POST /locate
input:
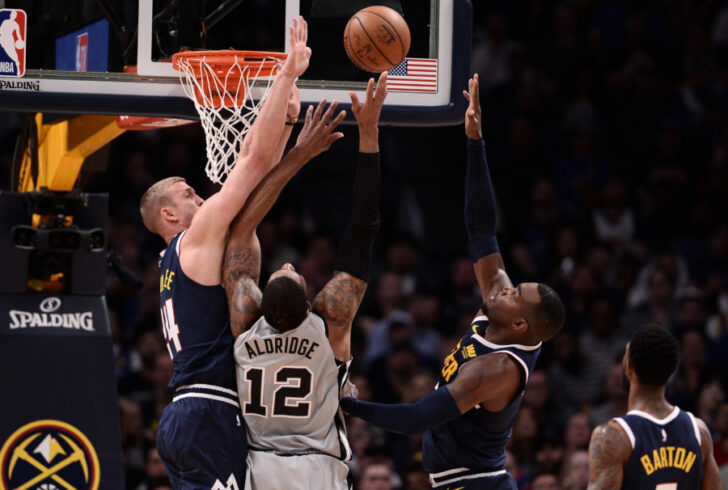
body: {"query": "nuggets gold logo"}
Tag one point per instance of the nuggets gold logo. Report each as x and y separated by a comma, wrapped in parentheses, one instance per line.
(48, 454)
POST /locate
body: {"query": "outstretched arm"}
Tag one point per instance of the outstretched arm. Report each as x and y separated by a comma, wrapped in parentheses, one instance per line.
(241, 267)
(486, 378)
(339, 300)
(609, 450)
(203, 244)
(480, 209)
(292, 111)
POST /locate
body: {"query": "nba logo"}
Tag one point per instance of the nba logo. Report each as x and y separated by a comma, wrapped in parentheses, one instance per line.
(12, 42)
(82, 52)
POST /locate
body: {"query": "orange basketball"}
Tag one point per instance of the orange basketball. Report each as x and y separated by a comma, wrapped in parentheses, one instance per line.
(376, 38)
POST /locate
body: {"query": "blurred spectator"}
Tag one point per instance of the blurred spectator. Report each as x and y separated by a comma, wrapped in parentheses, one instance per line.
(614, 221)
(658, 304)
(524, 438)
(376, 474)
(401, 259)
(417, 478)
(155, 474)
(615, 397)
(549, 456)
(720, 435)
(134, 440)
(546, 481)
(711, 396)
(421, 384)
(390, 373)
(537, 396)
(424, 309)
(576, 380)
(684, 386)
(603, 341)
(491, 57)
(577, 433)
(318, 264)
(140, 386)
(513, 466)
(575, 475)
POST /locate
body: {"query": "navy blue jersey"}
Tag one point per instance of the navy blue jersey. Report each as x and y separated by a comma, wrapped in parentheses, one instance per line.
(666, 453)
(474, 443)
(196, 325)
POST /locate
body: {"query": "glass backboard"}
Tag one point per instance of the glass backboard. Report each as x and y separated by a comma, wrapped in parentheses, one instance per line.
(112, 56)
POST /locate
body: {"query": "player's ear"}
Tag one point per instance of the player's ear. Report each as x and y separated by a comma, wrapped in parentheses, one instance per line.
(308, 303)
(520, 325)
(168, 214)
(628, 369)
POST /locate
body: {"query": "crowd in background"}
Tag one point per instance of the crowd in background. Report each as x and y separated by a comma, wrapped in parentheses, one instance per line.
(606, 130)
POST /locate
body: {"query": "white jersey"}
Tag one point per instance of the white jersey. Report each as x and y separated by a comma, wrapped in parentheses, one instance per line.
(289, 386)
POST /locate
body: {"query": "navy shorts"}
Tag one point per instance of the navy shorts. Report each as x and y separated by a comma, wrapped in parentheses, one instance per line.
(202, 443)
(503, 481)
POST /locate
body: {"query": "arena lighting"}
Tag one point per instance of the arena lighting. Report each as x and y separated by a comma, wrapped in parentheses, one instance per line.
(58, 240)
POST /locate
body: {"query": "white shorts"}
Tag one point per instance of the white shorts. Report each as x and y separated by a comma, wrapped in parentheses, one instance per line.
(269, 471)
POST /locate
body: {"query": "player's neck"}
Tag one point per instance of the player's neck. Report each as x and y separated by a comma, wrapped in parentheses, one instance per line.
(650, 400)
(502, 336)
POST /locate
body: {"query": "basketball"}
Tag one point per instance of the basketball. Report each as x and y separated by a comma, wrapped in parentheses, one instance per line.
(376, 38)
(19, 44)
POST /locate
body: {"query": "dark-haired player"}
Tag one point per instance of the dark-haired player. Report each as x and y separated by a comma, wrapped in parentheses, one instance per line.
(656, 445)
(292, 361)
(468, 419)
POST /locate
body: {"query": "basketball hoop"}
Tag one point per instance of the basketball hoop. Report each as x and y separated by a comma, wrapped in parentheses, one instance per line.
(218, 82)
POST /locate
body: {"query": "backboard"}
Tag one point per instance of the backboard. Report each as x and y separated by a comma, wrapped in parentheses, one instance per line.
(112, 56)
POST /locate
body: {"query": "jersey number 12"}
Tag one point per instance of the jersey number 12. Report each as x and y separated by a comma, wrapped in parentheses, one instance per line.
(293, 387)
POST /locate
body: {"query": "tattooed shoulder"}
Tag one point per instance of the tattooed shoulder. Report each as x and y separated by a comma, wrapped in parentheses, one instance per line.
(340, 298)
(609, 450)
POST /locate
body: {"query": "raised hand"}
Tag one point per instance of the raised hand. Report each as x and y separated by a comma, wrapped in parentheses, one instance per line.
(473, 119)
(367, 114)
(317, 134)
(299, 54)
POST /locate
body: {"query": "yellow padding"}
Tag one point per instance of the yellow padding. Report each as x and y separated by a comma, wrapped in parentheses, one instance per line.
(63, 147)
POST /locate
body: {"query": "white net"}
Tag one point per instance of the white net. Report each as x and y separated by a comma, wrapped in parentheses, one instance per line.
(226, 106)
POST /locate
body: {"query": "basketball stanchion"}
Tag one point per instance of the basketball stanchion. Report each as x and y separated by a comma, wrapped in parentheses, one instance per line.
(218, 82)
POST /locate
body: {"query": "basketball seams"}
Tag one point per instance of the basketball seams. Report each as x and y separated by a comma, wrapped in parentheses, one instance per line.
(372, 41)
(394, 29)
(349, 48)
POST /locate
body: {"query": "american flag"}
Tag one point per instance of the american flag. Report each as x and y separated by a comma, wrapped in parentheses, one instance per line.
(414, 75)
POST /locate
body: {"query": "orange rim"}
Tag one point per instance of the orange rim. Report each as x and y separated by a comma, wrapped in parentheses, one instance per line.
(260, 64)
(221, 61)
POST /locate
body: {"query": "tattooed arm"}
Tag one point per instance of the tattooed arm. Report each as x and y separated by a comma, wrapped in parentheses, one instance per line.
(241, 265)
(337, 303)
(711, 474)
(241, 270)
(609, 450)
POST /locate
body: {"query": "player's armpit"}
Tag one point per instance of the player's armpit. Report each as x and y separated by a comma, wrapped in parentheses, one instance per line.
(241, 270)
(711, 474)
(337, 303)
(493, 378)
(609, 450)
